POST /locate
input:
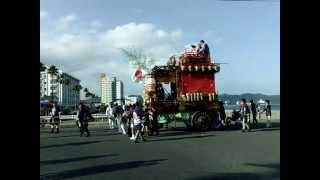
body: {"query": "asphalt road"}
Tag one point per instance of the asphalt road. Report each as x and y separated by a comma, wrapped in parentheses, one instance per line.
(175, 154)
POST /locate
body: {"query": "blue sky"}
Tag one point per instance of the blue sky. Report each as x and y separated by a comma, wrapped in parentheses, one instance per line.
(81, 37)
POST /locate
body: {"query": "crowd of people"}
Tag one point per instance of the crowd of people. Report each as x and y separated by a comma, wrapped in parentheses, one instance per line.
(137, 121)
(248, 114)
(200, 48)
(132, 120)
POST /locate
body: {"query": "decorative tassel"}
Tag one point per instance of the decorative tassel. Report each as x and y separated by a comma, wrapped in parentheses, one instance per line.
(201, 97)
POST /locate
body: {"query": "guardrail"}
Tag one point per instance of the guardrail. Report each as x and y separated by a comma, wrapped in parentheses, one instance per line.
(97, 117)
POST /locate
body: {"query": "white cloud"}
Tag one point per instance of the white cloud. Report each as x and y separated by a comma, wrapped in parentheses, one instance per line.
(96, 24)
(64, 22)
(89, 52)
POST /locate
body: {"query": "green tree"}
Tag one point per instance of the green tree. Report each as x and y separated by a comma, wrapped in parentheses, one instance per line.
(85, 90)
(53, 71)
(42, 68)
(77, 88)
(67, 82)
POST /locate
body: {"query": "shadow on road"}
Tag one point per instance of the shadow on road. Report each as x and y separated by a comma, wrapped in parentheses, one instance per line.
(262, 127)
(100, 169)
(70, 144)
(61, 136)
(92, 135)
(259, 127)
(270, 165)
(59, 161)
(269, 175)
(166, 134)
(180, 138)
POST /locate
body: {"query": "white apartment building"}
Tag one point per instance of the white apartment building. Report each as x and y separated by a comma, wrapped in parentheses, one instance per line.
(62, 93)
(106, 89)
(119, 91)
(111, 89)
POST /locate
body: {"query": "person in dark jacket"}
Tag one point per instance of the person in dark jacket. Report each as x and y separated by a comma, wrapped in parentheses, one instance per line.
(118, 111)
(268, 113)
(204, 48)
(222, 113)
(254, 113)
(244, 111)
(160, 92)
(138, 115)
(55, 118)
(84, 116)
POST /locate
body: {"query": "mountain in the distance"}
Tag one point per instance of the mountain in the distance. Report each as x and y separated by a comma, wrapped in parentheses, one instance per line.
(275, 99)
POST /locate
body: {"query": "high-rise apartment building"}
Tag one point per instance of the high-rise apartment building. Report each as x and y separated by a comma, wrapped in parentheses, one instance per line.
(111, 89)
(106, 89)
(63, 93)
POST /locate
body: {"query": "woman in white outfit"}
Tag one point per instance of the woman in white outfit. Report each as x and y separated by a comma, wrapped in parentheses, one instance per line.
(110, 117)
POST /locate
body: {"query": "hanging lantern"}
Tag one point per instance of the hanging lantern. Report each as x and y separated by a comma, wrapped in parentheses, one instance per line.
(213, 96)
(201, 97)
(202, 68)
(215, 68)
(183, 97)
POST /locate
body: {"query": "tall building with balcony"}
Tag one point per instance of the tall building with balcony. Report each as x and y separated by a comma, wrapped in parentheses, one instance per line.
(111, 89)
(106, 89)
(119, 91)
(63, 93)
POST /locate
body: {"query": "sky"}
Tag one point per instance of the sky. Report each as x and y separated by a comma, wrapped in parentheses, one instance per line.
(83, 37)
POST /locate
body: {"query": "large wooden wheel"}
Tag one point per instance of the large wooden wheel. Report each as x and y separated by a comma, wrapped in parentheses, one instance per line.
(201, 121)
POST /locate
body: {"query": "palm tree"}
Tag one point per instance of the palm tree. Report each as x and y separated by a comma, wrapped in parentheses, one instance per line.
(42, 68)
(77, 88)
(60, 79)
(88, 93)
(67, 82)
(53, 71)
